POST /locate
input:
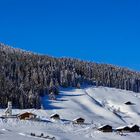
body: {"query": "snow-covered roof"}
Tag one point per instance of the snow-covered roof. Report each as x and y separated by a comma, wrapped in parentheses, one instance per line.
(80, 118)
(122, 127)
(102, 126)
(129, 126)
(26, 113)
(54, 115)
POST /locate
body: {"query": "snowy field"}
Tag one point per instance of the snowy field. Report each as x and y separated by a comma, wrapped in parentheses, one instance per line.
(98, 106)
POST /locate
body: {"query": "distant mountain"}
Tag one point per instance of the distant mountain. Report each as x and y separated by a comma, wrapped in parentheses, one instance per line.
(25, 76)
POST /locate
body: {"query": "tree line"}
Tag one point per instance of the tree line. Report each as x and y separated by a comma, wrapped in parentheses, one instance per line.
(25, 76)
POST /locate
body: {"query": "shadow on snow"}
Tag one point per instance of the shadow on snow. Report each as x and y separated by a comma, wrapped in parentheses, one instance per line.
(48, 104)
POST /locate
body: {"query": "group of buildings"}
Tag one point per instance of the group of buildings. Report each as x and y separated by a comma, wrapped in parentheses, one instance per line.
(80, 120)
(129, 128)
(31, 116)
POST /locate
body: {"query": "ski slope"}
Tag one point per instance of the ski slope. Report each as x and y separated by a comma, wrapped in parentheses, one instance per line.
(97, 105)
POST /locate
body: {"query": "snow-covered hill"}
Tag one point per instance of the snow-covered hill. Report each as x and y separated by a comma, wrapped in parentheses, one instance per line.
(102, 105)
(98, 106)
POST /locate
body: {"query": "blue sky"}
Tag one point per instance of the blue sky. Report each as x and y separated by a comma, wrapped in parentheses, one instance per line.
(104, 31)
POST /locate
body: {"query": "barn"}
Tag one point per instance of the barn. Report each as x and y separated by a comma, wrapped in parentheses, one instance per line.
(105, 128)
(135, 128)
(27, 116)
(123, 129)
(79, 120)
(129, 103)
(131, 128)
(55, 117)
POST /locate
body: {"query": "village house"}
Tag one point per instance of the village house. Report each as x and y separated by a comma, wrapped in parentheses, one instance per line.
(55, 117)
(135, 128)
(27, 116)
(105, 128)
(132, 128)
(129, 103)
(79, 120)
(123, 129)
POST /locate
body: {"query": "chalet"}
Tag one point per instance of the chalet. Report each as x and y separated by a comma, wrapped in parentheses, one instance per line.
(105, 128)
(129, 103)
(79, 121)
(27, 116)
(123, 129)
(131, 128)
(135, 128)
(55, 117)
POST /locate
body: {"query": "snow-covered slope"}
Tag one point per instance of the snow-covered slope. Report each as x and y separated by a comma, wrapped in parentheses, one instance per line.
(98, 106)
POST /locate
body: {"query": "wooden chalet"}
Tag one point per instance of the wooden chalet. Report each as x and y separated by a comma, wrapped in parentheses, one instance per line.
(135, 128)
(27, 116)
(79, 120)
(105, 128)
(123, 129)
(55, 117)
(131, 128)
(129, 103)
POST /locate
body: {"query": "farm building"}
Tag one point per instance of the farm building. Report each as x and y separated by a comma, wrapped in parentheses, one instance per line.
(79, 120)
(55, 117)
(105, 128)
(135, 128)
(123, 129)
(129, 103)
(132, 128)
(27, 116)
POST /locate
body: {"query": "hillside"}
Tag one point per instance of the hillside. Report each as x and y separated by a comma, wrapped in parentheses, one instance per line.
(98, 106)
(26, 76)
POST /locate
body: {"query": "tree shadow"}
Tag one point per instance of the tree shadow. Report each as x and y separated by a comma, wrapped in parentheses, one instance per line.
(48, 104)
